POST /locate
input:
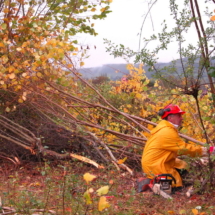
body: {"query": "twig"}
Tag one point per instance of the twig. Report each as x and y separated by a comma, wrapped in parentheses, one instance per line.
(111, 154)
(141, 29)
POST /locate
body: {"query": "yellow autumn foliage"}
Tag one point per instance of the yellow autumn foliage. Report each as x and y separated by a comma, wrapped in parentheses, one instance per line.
(88, 177)
(146, 104)
(103, 203)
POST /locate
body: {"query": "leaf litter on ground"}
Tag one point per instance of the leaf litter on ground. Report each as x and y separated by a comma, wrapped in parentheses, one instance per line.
(108, 191)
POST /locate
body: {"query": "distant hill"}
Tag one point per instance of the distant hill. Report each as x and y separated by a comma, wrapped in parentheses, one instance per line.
(113, 71)
(116, 71)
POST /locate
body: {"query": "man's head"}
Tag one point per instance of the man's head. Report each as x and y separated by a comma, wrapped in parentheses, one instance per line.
(172, 113)
(175, 119)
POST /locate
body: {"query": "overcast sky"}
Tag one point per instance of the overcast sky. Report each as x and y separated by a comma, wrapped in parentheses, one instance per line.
(123, 26)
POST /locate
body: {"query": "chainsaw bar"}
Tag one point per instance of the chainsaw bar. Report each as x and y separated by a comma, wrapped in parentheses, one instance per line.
(157, 190)
(160, 185)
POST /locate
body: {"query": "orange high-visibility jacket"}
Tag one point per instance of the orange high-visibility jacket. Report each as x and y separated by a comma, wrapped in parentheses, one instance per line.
(161, 151)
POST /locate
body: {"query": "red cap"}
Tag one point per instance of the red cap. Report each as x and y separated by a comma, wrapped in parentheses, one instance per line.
(172, 109)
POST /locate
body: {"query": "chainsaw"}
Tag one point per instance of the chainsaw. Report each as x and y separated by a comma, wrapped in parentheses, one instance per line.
(160, 185)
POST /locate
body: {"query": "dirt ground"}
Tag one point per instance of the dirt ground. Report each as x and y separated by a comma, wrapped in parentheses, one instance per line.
(50, 188)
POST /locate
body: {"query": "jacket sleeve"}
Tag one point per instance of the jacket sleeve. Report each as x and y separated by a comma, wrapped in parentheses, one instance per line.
(171, 141)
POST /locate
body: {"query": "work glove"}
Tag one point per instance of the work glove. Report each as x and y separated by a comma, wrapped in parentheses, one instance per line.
(205, 150)
(212, 150)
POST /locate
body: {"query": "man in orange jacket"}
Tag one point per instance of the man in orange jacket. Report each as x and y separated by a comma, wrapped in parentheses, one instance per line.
(164, 145)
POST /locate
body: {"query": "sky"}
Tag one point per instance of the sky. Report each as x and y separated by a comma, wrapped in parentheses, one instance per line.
(123, 25)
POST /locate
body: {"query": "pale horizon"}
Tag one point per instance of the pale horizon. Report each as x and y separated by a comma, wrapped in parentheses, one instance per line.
(123, 25)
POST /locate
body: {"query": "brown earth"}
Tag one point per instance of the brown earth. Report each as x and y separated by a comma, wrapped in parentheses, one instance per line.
(60, 188)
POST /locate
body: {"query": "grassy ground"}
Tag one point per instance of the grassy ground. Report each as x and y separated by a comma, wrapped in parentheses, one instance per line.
(60, 189)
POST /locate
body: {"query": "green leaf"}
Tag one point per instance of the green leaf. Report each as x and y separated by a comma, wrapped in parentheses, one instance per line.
(3, 26)
(35, 25)
(145, 88)
(87, 197)
(182, 211)
(7, 109)
(212, 71)
(43, 173)
(154, 120)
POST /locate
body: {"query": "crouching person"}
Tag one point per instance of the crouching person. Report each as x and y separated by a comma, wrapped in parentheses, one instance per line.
(163, 147)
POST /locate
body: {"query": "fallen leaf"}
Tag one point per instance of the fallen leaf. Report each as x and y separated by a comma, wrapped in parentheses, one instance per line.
(24, 74)
(88, 177)
(195, 211)
(87, 197)
(121, 161)
(19, 49)
(103, 203)
(109, 197)
(39, 74)
(12, 76)
(111, 182)
(68, 209)
(103, 190)
(20, 101)
(182, 211)
(193, 197)
(125, 110)
(7, 109)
